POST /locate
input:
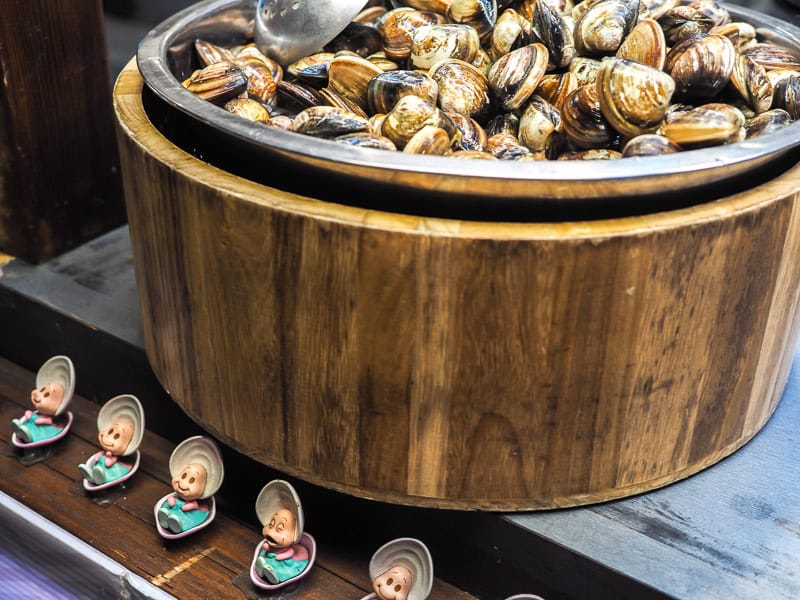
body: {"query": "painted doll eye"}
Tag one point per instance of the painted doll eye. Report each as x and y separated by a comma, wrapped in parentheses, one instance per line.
(389, 581)
(111, 431)
(47, 394)
(397, 587)
(183, 476)
(280, 527)
(191, 480)
(116, 436)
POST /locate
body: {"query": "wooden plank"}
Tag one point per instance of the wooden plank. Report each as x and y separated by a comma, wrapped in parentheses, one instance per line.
(59, 168)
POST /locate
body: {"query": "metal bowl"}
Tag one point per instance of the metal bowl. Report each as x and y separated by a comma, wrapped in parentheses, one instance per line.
(166, 57)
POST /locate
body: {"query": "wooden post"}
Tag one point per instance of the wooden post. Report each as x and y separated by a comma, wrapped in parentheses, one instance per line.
(59, 165)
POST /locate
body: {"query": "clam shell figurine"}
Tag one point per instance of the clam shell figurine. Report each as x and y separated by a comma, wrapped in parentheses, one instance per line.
(120, 424)
(50, 420)
(287, 553)
(196, 471)
(402, 568)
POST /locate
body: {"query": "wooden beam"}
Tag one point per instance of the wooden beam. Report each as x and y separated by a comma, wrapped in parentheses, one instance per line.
(59, 165)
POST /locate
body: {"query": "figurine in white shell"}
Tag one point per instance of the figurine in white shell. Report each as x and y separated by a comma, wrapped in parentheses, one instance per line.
(50, 420)
(401, 570)
(120, 424)
(286, 553)
(197, 471)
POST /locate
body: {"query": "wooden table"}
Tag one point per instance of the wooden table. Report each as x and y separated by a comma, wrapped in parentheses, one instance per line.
(723, 533)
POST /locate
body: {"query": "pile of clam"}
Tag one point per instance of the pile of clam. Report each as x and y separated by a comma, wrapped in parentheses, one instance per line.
(520, 79)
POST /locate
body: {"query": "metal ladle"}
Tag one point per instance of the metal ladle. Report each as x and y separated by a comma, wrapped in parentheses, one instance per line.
(287, 30)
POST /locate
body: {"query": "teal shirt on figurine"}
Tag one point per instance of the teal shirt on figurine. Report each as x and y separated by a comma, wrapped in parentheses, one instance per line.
(197, 472)
(120, 425)
(49, 420)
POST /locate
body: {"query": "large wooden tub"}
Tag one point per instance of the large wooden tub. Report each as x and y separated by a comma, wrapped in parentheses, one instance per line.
(460, 364)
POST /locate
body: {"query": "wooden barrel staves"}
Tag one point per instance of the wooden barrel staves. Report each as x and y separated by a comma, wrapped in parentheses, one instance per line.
(460, 364)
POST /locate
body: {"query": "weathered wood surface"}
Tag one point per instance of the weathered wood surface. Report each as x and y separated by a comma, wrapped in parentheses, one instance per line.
(59, 165)
(732, 531)
(460, 364)
(201, 566)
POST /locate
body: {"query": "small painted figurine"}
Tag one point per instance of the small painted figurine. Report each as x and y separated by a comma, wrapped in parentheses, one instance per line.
(49, 421)
(120, 424)
(401, 570)
(197, 471)
(286, 552)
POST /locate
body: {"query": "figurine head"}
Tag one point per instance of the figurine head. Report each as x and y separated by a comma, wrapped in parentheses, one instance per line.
(196, 468)
(116, 437)
(47, 398)
(120, 424)
(280, 512)
(394, 584)
(402, 570)
(55, 385)
(190, 483)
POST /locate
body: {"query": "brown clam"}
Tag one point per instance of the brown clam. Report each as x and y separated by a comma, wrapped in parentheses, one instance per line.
(706, 125)
(313, 68)
(683, 22)
(509, 33)
(248, 108)
(218, 82)
(365, 139)
(398, 26)
(554, 32)
(260, 83)
(751, 81)
(701, 66)
(472, 135)
(713, 10)
(645, 44)
(462, 88)
(605, 25)
(428, 140)
(739, 33)
(480, 14)
(767, 122)
(327, 122)
(787, 96)
(515, 76)
(539, 127)
(275, 69)
(500, 143)
(211, 53)
(434, 43)
(649, 144)
(385, 89)
(771, 56)
(583, 121)
(503, 123)
(349, 75)
(633, 97)
(554, 87)
(409, 115)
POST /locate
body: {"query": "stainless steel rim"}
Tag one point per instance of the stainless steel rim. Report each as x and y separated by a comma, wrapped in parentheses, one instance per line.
(545, 180)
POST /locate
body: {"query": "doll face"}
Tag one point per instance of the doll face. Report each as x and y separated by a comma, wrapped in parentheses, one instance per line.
(279, 532)
(116, 437)
(47, 398)
(393, 584)
(190, 483)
